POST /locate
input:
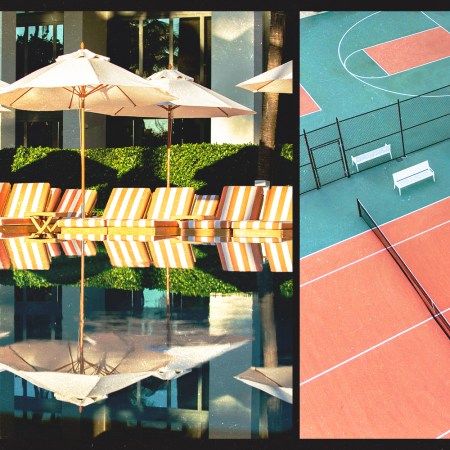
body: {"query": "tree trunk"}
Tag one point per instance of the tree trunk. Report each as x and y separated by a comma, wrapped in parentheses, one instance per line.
(270, 100)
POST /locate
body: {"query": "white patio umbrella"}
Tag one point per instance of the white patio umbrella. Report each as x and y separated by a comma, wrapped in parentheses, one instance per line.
(81, 80)
(192, 101)
(276, 381)
(276, 80)
(4, 84)
(110, 362)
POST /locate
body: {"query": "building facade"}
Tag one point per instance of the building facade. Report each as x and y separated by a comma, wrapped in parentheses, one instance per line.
(218, 49)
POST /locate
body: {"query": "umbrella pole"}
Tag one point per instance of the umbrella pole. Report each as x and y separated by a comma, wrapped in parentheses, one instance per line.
(81, 324)
(82, 144)
(169, 141)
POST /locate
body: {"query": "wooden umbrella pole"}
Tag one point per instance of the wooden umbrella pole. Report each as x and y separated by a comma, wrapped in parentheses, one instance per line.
(169, 141)
(81, 324)
(82, 144)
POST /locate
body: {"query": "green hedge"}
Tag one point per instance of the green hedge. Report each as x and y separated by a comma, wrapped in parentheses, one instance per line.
(206, 167)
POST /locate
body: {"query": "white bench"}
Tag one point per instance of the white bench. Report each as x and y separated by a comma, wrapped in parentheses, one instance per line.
(386, 149)
(412, 175)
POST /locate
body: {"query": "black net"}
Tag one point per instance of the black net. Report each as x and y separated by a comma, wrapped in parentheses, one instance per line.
(429, 303)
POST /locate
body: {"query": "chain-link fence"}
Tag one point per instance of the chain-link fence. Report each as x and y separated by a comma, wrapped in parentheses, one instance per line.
(408, 125)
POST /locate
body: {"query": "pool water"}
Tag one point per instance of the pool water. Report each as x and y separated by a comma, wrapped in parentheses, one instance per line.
(186, 307)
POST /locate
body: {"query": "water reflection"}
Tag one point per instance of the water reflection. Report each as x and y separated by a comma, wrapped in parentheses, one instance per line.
(210, 338)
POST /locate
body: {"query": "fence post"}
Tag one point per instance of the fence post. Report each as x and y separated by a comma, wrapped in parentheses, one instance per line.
(401, 127)
(311, 159)
(342, 149)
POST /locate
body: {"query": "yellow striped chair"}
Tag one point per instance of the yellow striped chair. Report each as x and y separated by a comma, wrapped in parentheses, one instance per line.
(73, 247)
(5, 262)
(275, 219)
(124, 205)
(59, 208)
(26, 254)
(237, 203)
(165, 205)
(128, 253)
(24, 197)
(55, 195)
(171, 253)
(279, 255)
(240, 257)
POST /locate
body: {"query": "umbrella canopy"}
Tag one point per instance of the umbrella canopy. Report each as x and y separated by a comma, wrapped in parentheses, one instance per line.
(277, 80)
(3, 84)
(192, 101)
(110, 363)
(188, 344)
(80, 80)
(276, 381)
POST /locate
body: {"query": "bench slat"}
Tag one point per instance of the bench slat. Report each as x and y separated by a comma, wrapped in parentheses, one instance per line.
(412, 174)
(372, 154)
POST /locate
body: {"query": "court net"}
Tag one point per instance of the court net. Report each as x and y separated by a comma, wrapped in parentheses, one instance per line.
(429, 303)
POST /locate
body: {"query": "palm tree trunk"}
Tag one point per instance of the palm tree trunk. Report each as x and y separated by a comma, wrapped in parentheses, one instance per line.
(270, 100)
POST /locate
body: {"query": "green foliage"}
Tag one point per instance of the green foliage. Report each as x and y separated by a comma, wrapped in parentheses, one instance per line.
(196, 165)
(287, 288)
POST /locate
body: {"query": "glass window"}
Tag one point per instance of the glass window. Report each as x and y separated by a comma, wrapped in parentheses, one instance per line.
(39, 41)
(148, 45)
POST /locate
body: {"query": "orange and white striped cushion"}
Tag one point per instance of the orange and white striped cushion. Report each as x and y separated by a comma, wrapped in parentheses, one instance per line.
(55, 195)
(278, 205)
(54, 249)
(169, 202)
(172, 253)
(240, 257)
(5, 189)
(123, 253)
(205, 205)
(27, 197)
(73, 247)
(279, 256)
(126, 204)
(71, 202)
(26, 254)
(123, 204)
(82, 236)
(236, 203)
(5, 263)
(276, 214)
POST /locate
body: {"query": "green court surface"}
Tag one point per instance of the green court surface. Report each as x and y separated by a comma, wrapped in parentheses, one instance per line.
(345, 82)
(329, 215)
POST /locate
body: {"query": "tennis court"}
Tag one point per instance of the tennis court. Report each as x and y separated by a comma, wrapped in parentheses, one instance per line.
(374, 362)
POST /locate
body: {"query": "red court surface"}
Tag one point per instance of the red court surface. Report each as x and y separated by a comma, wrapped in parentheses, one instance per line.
(307, 104)
(373, 362)
(411, 51)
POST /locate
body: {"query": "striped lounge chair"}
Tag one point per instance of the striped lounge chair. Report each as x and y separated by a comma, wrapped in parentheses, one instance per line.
(275, 219)
(128, 253)
(279, 255)
(69, 206)
(171, 253)
(165, 205)
(124, 205)
(26, 254)
(24, 197)
(240, 257)
(236, 203)
(5, 262)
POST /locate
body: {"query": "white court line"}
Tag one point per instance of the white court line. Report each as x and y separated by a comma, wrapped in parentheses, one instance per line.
(379, 251)
(369, 349)
(363, 232)
(443, 434)
(359, 77)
